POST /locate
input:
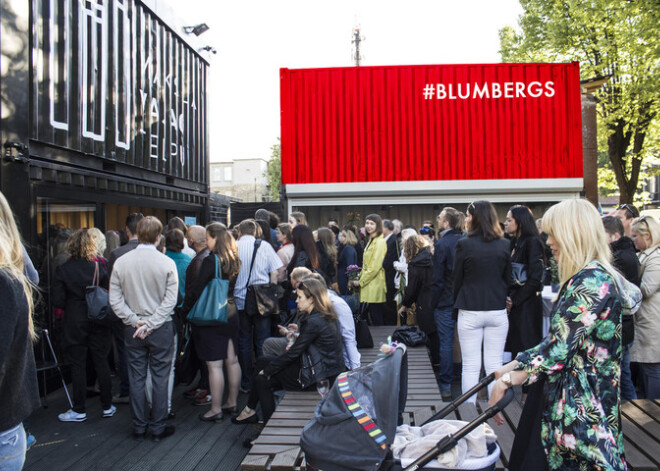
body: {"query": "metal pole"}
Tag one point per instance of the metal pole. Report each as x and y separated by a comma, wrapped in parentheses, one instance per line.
(57, 365)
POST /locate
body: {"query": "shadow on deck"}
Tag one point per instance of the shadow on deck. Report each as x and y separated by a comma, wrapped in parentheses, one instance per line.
(102, 444)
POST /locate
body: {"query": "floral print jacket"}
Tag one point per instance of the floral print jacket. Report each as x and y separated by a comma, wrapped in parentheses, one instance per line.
(580, 359)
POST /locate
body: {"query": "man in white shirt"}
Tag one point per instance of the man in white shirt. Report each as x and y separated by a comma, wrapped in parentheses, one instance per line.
(254, 329)
(143, 293)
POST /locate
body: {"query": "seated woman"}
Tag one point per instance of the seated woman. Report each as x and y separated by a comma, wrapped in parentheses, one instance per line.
(319, 328)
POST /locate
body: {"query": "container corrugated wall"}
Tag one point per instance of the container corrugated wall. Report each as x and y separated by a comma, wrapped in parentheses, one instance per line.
(110, 79)
(435, 122)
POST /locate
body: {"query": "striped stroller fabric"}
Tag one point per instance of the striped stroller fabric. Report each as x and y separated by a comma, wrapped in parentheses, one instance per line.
(358, 412)
(369, 399)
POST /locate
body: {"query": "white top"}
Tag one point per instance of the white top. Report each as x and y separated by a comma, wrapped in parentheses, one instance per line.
(347, 329)
(265, 263)
(187, 250)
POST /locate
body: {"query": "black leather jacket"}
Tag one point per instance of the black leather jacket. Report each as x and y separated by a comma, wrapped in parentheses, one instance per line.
(327, 357)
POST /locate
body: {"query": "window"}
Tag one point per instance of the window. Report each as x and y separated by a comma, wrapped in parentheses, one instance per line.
(228, 175)
(217, 174)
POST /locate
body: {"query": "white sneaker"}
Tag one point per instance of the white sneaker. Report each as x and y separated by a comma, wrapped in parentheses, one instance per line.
(109, 412)
(71, 416)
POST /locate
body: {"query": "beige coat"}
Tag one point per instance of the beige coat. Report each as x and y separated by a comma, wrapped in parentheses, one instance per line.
(646, 347)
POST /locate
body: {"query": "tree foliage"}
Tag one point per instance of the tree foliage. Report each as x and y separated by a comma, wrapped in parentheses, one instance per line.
(274, 172)
(617, 39)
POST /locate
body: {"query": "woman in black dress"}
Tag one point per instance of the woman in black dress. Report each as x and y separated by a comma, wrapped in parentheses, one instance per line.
(217, 345)
(525, 304)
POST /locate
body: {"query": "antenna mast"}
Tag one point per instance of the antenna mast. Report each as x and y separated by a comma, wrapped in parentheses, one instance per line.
(357, 39)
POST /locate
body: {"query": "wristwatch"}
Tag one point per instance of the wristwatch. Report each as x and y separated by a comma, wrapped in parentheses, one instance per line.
(506, 379)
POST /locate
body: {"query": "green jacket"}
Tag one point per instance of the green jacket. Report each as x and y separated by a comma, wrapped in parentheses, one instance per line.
(372, 277)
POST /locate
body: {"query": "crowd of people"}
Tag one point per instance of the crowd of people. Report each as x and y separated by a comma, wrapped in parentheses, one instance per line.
(474, 276)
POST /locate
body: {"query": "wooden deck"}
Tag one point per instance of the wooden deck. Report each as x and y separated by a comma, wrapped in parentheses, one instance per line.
(106, 444)
(277, 448)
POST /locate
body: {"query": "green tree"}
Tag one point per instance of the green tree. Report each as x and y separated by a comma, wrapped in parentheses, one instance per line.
(274, 171)
(617, 39)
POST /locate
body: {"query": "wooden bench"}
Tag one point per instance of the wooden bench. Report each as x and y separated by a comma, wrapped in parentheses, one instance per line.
(277, 448)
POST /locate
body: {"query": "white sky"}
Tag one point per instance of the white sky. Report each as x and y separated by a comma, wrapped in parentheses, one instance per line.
(254, 39)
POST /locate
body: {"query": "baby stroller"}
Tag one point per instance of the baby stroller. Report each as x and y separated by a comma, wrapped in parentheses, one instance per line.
(354, 427)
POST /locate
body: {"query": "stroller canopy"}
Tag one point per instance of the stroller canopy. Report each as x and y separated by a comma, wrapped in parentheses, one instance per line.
(354, 426)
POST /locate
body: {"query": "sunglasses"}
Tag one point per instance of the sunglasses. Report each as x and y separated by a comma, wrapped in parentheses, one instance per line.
(630, 209)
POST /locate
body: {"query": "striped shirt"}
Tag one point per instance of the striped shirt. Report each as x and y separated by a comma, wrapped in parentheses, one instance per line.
(265, 262)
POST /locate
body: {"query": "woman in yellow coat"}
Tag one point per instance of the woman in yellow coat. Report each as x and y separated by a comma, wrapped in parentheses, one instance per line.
(372, 277)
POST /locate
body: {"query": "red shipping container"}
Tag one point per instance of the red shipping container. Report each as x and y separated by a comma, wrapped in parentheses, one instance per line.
(431, 122)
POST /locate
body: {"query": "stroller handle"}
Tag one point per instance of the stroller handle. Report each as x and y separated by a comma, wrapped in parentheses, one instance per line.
(449, 442)
(452, 406)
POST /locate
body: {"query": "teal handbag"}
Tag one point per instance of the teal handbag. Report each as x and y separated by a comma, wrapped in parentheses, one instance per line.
(211, 307)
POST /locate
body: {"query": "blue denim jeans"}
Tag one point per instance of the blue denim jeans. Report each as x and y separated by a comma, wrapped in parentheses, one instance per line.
(12, 449)
(628, 392)
(650, 380)
(444, 323)
(253, 332)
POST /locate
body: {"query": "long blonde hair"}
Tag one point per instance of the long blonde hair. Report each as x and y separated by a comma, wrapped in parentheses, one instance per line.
(576, 226)
(11, 256)
(99, 240)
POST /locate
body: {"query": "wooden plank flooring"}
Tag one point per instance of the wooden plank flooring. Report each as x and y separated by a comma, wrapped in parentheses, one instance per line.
(106, 444)
(277, 447)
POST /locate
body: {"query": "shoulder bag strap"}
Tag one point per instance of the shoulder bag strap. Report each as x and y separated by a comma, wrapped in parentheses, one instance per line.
(218, 271)
(257, 244)
(95, 279)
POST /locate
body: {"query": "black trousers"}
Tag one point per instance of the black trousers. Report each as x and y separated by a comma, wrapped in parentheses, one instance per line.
(389, 312)
(376, 313)
(263, 387)
(97, 340)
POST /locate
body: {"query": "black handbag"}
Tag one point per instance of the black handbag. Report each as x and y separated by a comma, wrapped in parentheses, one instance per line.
(362, 333)
(261, 299)
(98, 309)
(519, 271)
(411, 335)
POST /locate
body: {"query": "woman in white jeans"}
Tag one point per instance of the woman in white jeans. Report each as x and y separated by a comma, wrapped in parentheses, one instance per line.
(482, 275)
